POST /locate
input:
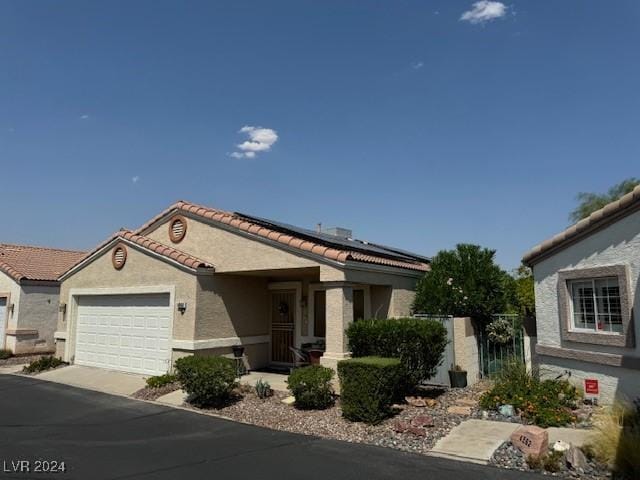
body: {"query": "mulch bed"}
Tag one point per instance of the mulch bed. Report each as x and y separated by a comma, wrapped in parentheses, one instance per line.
(148, 393)
(434, 421)
(508, 456)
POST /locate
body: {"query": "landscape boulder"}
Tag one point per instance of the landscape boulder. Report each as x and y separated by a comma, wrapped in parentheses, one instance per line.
(531, 440)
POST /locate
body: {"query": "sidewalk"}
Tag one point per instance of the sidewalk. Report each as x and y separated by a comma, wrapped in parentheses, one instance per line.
(99, 379)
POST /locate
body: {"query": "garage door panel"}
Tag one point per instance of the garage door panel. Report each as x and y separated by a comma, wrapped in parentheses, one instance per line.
(125, 332)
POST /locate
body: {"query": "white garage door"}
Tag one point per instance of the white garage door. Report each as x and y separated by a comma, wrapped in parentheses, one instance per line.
(124, 332)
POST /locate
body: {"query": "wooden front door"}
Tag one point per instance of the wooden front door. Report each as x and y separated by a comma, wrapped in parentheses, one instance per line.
(283, 314)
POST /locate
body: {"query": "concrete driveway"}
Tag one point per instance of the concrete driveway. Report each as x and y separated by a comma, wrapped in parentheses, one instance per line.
(102, 436)
(99, 379)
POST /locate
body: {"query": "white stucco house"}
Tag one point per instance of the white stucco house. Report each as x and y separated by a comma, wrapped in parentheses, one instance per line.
(587, 290)
(29, 296)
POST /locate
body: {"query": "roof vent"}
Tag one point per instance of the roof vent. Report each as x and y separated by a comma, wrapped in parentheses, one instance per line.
(338, 232)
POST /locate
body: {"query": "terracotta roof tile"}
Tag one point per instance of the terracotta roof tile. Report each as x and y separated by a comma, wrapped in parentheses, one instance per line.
(288, 238)
(627, 204)
(22, 262)
(174, 254)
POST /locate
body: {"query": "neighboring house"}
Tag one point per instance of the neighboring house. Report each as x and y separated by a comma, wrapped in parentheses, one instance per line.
(199, 280)
(29, 292)
(587, 290)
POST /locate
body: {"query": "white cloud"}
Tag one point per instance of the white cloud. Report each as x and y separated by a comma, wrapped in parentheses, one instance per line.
(484, 11)
(84, 117)
(259, 140)
(417, 65)
(135, 179)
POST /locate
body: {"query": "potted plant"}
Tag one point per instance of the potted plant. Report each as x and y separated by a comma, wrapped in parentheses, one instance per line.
(457, 377)
(238, 351)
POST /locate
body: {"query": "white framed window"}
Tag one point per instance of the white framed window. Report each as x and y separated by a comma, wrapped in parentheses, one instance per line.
(596, 305)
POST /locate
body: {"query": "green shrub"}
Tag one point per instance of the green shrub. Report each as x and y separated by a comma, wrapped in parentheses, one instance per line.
(208, 380)
(4, 354)
(161, 380)
(546, 403)
(42, 364)
(263, 389)
(418, 343)
(368, 386)
(311, 386)
(551, 461)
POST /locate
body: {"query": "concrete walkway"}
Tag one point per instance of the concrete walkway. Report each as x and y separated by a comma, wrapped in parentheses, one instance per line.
(278, 381)
(9, 369)
(99, 379)
(474, 440)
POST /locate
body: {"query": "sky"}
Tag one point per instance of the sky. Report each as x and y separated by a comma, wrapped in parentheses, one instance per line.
(418, 124)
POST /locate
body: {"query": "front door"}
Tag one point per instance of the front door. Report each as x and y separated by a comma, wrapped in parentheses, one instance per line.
(283, 313)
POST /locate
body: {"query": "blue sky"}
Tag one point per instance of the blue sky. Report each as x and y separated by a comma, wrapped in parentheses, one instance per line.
(398, 119)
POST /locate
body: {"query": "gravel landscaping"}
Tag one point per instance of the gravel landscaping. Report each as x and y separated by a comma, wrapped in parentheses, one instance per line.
(19, 360)
(413, 428)
(508, 456)
(584, 414)
(148, 393)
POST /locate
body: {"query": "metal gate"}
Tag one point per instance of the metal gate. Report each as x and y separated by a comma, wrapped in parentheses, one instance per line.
(442, 374)
(494, 355)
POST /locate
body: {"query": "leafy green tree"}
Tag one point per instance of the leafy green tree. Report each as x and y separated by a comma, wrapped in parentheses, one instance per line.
(465, 281)
(590, 202)
(520, 292)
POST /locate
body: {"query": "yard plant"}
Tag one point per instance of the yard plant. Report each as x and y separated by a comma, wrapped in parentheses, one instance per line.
(418, 343)
(209, 381)
(42, 364)
(160, 381)
(4, 354)
(311, 386)
(368, 386)
(546, 403)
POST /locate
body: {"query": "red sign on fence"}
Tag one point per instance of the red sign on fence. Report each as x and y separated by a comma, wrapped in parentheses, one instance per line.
(591, 386)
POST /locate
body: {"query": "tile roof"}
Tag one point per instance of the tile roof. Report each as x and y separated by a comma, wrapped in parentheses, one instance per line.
(166, 251)
(291, 238)
(24, 262)
(611, 212)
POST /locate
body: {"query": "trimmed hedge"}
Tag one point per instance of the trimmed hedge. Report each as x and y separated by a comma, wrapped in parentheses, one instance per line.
(208, 380)
(368, 386)
(418, 343)
(160, 381)
(311, 386)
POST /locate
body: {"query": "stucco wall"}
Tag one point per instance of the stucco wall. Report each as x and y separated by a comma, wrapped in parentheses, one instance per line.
(465, 348)
(8, 285)
(618, 244)
(38, 309)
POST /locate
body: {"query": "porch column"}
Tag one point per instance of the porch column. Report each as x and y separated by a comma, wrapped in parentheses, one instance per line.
(339, 315)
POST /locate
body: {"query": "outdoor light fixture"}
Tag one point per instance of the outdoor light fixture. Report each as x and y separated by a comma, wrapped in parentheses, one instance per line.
(10, 308)
(182, 307)
(62, 308)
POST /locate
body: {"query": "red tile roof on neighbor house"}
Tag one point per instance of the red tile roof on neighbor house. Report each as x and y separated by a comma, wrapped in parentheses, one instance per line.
(23, 262)
(158, 248)
(599, 219)
(291, 238)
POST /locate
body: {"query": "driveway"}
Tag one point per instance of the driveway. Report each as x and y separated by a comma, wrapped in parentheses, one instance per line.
(102, 436)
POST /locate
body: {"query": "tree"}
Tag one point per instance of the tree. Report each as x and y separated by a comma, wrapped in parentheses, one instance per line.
(463, 282)
(590, 202)
(520, 292)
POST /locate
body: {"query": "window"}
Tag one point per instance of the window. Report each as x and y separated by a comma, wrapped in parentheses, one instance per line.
(358, 304)
(319, 313)
(596, 304)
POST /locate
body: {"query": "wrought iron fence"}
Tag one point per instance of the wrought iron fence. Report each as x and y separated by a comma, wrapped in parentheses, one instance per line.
(493, 354)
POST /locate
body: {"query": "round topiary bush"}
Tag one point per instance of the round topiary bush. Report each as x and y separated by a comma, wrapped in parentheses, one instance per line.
(208, 380)
(311, 386)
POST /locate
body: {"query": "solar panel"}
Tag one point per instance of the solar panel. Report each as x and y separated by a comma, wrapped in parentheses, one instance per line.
(331, 240)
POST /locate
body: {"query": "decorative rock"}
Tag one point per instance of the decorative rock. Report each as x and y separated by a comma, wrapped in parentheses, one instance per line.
(467, 402)
(431, 402)
(418, 432)
(400, 426)
(416, 401)
(422, 421)
(485, 415)
(561, 446)
(531, 440)
(575, 459)
(507, 410)
(289, 400)
(459, 410)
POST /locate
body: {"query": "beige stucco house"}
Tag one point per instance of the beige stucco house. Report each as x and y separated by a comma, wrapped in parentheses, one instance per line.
(29, 292)
(587, 287)
(197, 280)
